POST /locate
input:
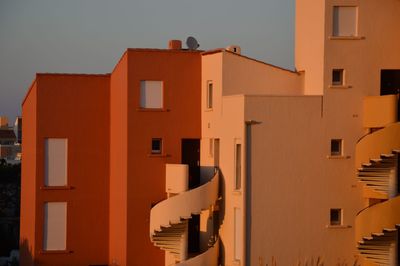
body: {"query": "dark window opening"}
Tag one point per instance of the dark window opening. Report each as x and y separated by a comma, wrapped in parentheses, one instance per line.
(390, 83)
(156, 146)
(337, 77)
(336, 147)
(209, 95)
(336, 217)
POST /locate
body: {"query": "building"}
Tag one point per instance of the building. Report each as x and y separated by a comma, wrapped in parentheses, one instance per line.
(95, 148)
(296, 167)
(18, 129)
(9, 148)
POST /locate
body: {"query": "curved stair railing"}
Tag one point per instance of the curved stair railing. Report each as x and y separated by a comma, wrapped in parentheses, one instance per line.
(169, 221)
(377, 225)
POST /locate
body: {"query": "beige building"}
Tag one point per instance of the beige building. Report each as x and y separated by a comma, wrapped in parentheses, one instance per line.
(292, 168)
(308, 159)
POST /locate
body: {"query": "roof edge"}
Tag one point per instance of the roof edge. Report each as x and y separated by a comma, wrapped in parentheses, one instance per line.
(29, 90)
(222, 50)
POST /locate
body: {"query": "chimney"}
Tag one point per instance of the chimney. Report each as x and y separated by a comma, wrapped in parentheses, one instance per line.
(175, 45)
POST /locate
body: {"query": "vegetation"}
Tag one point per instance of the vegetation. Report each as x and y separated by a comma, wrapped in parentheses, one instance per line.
(10, 187)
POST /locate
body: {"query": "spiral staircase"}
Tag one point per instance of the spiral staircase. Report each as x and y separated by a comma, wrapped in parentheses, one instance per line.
(169, 221)
(377, 225)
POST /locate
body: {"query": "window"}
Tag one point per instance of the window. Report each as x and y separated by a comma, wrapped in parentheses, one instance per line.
(211, 147)
(344, 21)
(238, 237)
(337, 77)
(151, 94)
(55, 226)
(156, 146)
(238, 166)
(209, 94)
(216, 152)
(336, 147)
(336, 217)
(56, 157)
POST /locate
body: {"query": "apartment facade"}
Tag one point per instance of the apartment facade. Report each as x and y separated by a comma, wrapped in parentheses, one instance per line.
(220, 159)
(95, 149)
(10, 147)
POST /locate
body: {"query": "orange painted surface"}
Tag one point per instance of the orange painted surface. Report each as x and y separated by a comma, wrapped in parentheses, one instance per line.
(118, 162)
(28, 180)
(113, 180)
(74, 107)
(181, 73)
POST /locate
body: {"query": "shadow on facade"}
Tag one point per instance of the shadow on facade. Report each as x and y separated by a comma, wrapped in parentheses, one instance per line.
(25, 253)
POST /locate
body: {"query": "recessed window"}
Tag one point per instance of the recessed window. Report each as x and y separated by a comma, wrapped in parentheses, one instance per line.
(151, 94)
(238, 234)
(336, 147)
(337, 77)
(344, 21)
(209, 94)
(336, 217)
(238, 166)
(156, 146)
(211, 147)
(56, 155)
(55, 226)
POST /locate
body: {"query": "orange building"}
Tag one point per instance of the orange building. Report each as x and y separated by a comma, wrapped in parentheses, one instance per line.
(95, 149)
(220, 159)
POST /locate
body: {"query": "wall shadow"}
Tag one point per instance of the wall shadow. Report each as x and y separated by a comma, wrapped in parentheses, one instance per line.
(221, 214)
(25, 253)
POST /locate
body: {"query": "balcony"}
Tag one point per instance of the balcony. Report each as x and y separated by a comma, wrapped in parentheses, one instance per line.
(380, 111)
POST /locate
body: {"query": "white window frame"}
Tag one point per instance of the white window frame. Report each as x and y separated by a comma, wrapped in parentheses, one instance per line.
(151, 86)
(55, 226)
(56, 162)
(336, 27)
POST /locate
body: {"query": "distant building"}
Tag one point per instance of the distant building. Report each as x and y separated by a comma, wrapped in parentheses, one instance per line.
(9, 148)
(220, 159)
(18, 129)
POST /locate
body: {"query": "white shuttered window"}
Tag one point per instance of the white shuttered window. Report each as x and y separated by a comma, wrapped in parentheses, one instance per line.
(151, 94)
(56, 158)
(345, 21)
(55, 226)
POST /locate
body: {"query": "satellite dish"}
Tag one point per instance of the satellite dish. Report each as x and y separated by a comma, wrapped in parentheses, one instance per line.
(192, 43)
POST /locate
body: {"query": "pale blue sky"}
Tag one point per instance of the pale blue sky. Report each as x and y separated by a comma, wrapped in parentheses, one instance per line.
(89, 36)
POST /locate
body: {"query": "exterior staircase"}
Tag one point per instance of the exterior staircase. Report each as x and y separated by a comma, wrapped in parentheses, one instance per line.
(378, 224)
(381, 174)
(380, 247)
(169, 222)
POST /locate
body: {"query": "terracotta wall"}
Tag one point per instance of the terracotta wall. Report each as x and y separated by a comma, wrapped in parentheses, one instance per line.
(75, 107)
(28, 179)
(181, 73)
(118, 162)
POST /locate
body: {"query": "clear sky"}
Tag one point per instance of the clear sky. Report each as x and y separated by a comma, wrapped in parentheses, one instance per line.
(89, 36)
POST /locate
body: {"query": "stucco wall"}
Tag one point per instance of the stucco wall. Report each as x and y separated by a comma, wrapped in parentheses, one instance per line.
(180, 72)
(309, 44)
(118, 162)
(244, 75)
(28, 179)
(87, 191)
(294, 184)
